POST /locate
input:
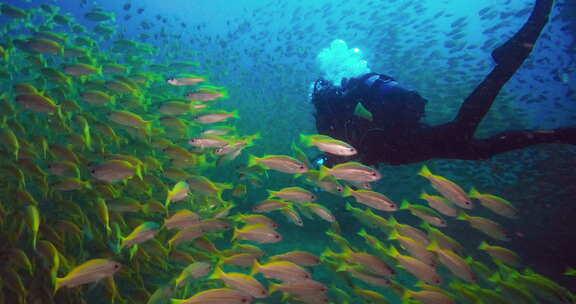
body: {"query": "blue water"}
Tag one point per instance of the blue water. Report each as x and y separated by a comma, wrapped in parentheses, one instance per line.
(264, 52)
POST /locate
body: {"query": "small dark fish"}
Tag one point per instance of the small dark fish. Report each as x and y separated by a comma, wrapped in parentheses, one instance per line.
(47, 8)
(127, 17)
(146, 25)
(183, 24)
(140, 10)
(127, 6)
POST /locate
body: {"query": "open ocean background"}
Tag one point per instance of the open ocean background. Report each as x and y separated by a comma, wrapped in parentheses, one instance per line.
(264, 54)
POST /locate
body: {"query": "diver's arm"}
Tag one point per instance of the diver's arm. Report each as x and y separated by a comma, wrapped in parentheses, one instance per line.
(509, 57)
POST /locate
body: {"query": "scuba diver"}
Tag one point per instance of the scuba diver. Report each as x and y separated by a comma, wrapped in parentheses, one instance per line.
(381, 119)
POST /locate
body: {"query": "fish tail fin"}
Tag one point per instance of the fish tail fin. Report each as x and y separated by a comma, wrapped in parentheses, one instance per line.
(433, 246)
(114, 247)
(117, 247)
(349, 206)
(347, 250)
(146, 209)
(473, 192)
(255, 267)
(237, 217)
(224, 186)
(391, 251)
(406, 295)
(57, 285)
(462, 216)
(34, 241)
(60, 114)
(108, 230)
(393, 235)
(347, 191)
(405, 205)
(323, 172)
(294, 147)
(139, 172)
(273, 288)
(54, 275)
(426, 226)
(342, 267)
(495, 278)
(216, 275)
(234, 234)
(327, 253)
(169, 197)
(271, 194)
(306, 139)
(132, 252)
(285, 297)
(88, 141)
(252, 161)
(483, 245)
(256, 136)
(425, 172)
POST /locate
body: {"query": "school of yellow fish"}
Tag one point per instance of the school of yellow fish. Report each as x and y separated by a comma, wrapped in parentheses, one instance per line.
(107, 189)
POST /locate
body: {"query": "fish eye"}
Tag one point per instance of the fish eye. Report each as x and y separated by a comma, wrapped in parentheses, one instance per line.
(93, 171)
(116, 266)
(277, 236)
(339, 189)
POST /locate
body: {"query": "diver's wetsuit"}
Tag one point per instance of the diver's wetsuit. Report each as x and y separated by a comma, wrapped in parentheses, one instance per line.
(395, 135)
